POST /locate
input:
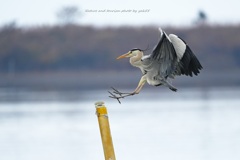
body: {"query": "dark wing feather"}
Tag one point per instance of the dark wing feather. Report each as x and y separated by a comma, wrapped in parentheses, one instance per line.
(163, 58)
(189, 63)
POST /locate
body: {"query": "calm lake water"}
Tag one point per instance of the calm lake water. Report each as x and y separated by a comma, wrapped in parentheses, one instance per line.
(199, 124)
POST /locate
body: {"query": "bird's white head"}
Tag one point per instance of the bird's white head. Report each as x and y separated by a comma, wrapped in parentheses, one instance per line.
(133, 52)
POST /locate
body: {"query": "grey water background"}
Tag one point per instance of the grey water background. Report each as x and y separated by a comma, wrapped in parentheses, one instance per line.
(193, 123)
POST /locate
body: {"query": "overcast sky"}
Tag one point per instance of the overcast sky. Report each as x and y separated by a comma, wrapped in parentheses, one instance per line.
(167, 12)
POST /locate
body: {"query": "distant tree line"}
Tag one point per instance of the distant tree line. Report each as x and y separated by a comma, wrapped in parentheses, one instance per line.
(74, 47)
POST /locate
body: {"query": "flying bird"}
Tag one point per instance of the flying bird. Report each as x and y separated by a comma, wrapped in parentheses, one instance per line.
(170, 57)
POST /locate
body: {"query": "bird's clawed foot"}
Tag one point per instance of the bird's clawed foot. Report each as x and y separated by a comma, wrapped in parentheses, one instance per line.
(173, 89)
(115, 94)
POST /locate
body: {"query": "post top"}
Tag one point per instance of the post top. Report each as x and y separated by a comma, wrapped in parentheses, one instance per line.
(99, 104)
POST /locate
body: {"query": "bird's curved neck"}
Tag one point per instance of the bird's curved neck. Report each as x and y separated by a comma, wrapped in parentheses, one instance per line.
(136, 60)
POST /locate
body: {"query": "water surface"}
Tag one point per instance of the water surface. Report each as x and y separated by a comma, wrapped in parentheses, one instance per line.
(190, 124)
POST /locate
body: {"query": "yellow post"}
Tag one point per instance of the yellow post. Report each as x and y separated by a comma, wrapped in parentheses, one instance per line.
(104, 126)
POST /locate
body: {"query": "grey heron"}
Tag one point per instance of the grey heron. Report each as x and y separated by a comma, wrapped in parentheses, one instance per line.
(171, 57)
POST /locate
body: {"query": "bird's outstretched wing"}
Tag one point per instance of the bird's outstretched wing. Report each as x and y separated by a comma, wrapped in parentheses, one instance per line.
(188, 63)
(163, 58)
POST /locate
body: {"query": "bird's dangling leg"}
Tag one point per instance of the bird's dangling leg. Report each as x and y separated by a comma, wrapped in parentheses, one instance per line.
(141, 83)
(170, 86)
(118, 95)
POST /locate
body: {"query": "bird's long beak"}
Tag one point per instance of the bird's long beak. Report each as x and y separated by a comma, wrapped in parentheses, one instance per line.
(124, 55)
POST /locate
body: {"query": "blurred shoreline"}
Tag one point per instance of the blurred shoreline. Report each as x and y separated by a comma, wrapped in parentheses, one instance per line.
(93, 80)
(75, 57)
